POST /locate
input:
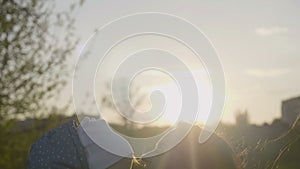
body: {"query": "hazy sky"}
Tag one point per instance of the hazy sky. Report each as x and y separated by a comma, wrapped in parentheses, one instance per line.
(258, 43)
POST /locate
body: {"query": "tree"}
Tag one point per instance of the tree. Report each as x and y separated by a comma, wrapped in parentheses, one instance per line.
(137, 98)
(32, 54)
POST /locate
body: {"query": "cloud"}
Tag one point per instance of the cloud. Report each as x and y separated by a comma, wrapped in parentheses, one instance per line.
(268, 31)
(267, 73)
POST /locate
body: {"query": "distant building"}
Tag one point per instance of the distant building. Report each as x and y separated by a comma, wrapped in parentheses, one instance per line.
(290, 110)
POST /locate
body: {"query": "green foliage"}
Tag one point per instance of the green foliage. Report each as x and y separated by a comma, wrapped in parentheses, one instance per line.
(265, 147)
(35, 42)
(32, 55)
(16, 138)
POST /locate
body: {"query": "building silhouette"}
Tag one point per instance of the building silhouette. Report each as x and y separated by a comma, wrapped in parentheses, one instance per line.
(290, 110)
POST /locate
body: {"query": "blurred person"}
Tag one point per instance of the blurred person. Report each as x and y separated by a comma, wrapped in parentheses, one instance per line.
(68, 146)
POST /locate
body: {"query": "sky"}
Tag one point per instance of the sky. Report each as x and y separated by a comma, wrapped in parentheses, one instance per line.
(257, 42)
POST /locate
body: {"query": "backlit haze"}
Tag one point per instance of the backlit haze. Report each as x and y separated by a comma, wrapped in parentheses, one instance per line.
(257, 41)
